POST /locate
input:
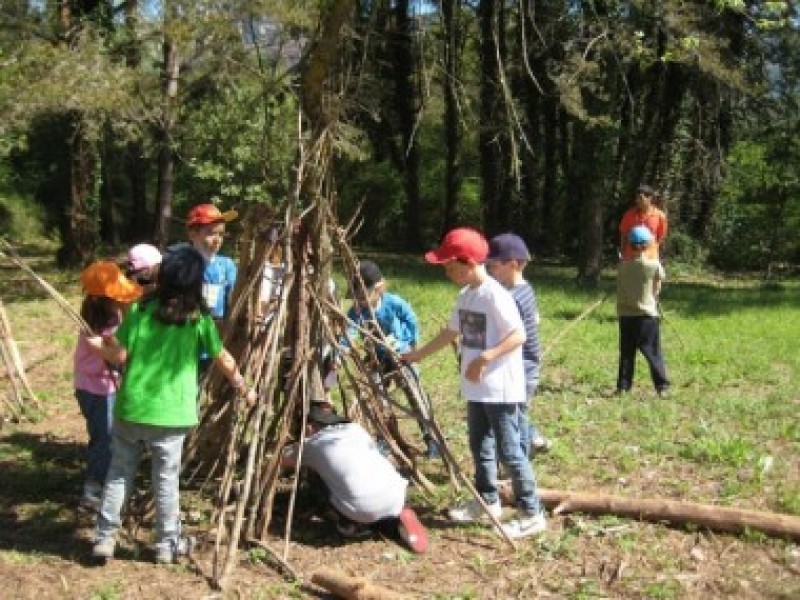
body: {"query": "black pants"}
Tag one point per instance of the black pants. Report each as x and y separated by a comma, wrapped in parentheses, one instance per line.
(640, 333)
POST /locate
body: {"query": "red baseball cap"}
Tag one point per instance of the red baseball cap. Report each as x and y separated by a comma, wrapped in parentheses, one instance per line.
(206, 214)
(461, 243)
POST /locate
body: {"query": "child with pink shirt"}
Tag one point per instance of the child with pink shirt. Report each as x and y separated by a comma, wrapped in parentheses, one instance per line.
(108, 293)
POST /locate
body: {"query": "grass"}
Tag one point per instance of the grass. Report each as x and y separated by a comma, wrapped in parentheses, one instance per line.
(728, 435)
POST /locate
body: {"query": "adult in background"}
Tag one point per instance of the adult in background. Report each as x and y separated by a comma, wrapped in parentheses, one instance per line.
(638, 285)
(646, 214)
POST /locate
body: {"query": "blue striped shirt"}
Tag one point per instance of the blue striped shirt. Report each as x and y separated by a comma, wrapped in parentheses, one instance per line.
(525, 298)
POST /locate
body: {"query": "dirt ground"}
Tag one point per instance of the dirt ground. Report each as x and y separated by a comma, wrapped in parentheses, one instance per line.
(45, 546)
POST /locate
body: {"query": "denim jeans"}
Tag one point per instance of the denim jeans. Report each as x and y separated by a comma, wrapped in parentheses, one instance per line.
(527, 429)
(494, 432)
(166, 447)
(98, 410)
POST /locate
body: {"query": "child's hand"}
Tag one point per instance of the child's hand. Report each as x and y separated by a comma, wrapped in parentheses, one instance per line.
(476, 369)
(409, 357)
(95, 342)
(250, 397)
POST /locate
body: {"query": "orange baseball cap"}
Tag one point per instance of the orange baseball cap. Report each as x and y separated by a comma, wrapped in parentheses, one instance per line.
(461, 243)
(206, 214)
(104, 278)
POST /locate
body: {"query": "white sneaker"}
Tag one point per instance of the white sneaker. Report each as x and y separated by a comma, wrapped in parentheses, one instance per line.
(472, 511)
(525, 524)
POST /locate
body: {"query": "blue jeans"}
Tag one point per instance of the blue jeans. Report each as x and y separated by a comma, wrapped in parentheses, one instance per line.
(494, 432)
(98, 410)
(527, 429)
(166, 448)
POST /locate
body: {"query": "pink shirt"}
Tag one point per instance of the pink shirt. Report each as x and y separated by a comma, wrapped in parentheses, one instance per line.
(92, 373)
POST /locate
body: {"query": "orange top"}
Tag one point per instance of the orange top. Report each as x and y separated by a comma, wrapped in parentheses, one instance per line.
(654, 219)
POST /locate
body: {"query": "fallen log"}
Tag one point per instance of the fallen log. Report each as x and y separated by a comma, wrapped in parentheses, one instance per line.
(352, 588)
(717, 518)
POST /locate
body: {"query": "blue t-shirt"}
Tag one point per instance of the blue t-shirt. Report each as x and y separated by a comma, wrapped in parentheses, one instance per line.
(525, 299)
(394, 316)
(218, 281)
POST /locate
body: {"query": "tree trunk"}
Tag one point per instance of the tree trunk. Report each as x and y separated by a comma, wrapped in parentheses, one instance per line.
(406, 98)
(452, 128)
(490, 147)
(166, 157)
(81, 226)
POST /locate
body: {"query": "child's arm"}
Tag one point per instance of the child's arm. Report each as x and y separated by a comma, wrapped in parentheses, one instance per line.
(227, 365)
(475, 369)
(444, 337)
(109, 348)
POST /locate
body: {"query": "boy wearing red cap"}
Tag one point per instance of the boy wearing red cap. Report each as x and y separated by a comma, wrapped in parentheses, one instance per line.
(491, 331)
(206, 225)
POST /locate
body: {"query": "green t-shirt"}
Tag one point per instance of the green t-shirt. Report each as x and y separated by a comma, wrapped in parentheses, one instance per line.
(160, 382)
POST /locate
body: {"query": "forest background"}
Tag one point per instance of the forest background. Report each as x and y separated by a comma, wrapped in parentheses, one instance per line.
(537, 116)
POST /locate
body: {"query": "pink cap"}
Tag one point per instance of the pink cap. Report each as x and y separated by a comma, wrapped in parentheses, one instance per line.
(461, 243)
(143, 256)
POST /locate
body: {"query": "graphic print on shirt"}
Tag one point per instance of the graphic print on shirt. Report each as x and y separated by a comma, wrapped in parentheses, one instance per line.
(473, 329)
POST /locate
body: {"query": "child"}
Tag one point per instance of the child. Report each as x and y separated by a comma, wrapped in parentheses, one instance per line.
(374, 306)
(206, 228)
(492, 379)
(159, 342)
(142, 266)
(364, 487)
(108, 293)
(638, 285)
(508, 256)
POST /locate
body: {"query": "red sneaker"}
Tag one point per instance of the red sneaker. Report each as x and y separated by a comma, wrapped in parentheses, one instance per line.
(412, 531)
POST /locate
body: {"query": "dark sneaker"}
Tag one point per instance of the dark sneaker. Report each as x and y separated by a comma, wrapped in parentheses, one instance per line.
(104, 549)
(411, 531)
(352, 530)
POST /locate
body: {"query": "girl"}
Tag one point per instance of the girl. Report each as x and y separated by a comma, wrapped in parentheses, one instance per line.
(159, 341)
(108, 293)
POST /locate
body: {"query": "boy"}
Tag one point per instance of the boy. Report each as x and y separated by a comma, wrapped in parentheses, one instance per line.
(206, 229)
(364, 487)
(508, 256)
(492, 379)
(638, 285)
(643, 213)
(373, 306)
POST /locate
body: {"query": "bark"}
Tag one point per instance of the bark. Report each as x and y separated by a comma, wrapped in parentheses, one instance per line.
(406, 100)
(166, 157)
(491, 168)
(658, 510)
(452, 127)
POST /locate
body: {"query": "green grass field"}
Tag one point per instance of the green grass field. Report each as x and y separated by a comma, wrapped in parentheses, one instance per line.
(728, 435)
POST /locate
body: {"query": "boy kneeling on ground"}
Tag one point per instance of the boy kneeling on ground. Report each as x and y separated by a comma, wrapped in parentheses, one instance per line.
(365, 488)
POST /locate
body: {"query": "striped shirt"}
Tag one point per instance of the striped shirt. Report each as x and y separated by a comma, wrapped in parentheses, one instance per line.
(525, 298)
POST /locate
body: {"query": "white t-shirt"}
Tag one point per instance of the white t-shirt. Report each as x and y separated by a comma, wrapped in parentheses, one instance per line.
(484, 316)
(364, 485)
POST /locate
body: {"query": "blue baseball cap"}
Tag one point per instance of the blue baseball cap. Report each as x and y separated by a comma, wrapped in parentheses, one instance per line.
(508, 246)
(640, 236)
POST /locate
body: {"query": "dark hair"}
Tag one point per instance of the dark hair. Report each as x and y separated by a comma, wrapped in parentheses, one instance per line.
(646, 190)
(99, 312)
(180, 289)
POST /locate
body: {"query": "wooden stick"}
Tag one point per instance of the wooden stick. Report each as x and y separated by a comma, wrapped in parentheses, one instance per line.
(60, 300)
(16, 359)
(352, 588)
(574, 322)
(717, 518)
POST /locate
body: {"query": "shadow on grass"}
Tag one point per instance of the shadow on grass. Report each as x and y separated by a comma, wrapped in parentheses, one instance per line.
(39, 480)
